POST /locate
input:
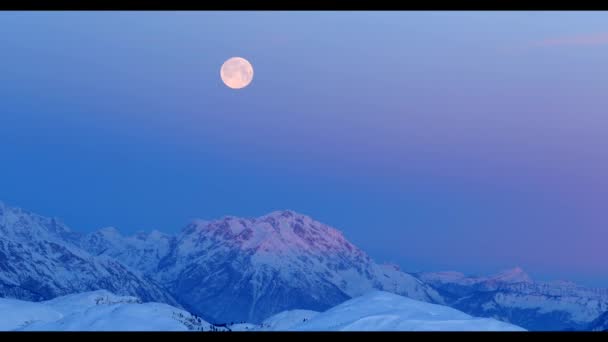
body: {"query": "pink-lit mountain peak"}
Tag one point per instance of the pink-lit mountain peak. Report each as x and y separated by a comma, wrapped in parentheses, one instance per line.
(514, 275)
(277, 231)
(283, 254)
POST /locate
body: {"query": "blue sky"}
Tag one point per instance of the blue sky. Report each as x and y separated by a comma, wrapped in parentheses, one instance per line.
(437, 140)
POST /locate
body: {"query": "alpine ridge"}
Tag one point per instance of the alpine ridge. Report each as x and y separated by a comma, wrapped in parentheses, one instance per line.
(512, 296)
(247, 269)
(40, 259)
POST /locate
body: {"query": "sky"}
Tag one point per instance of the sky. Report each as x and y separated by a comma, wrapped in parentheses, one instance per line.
(469, 141)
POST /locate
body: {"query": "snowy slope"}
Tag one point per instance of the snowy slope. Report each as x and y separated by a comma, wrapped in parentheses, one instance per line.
(512, 296)
(40, 259)
(384, 311)
(143, 251)
(17, 313)
(95, 311)
(244, 327)
(277, 262)
(286, 320)
(600, 323)
(104, 311)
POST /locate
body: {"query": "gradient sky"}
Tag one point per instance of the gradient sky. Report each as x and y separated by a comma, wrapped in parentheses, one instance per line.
(470, 141)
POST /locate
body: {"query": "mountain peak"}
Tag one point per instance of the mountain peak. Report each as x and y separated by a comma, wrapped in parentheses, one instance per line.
(285, 213)
(30, 225)
(514, 275)
(109, 231)
(48, 260)
(282, 260)
(237, 224)
(278, 231)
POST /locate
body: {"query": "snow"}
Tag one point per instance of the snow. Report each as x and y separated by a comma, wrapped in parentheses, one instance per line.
(77, 302)
(45, 259)
(396, 323)
(395, 281)
(110, 232)
(380, 311)
(305, 264)
(16, 313)
(515, 275)
(243, 327)
(116, 317)
(512, 276)
(514, 295)
(581, 309)
(282, 249)
(236, 227)
(94, 311)
(383, 311)
(104, 311)
(287, 320)
(142, 251)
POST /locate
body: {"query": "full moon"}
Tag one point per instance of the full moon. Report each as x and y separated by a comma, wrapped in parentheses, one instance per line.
(236, 73)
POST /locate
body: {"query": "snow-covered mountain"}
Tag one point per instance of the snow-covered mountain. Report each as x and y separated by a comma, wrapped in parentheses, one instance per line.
(96, 311)
(247, 269)
(512, 296)
(40, 259)
(382, 311)
(142, 251)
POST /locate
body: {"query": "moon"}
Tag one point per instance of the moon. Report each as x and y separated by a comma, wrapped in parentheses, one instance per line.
(236, 73)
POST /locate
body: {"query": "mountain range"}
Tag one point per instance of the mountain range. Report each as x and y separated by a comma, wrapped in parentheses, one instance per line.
(512, 296)
(40, 260)
(237, 269)
(248, 269)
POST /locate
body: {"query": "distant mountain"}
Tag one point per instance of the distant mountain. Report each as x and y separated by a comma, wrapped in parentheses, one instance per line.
(40, 260)
(247, 269)
(383, 311)
(512, 296)
(96, 311)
